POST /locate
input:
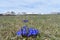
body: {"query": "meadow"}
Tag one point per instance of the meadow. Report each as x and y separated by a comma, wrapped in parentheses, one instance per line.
(48, 25)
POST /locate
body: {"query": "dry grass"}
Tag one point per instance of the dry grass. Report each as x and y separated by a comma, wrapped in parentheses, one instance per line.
(49, 26)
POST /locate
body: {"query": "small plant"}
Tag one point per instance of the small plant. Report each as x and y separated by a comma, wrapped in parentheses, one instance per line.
(26, 32)
(25, 21)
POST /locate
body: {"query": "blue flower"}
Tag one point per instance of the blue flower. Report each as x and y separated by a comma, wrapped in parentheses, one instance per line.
(27, 32)
(24, 30)
(25, 21)
(18, 33)
(33, 32)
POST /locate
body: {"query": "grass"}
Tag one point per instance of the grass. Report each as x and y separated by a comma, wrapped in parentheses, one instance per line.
(49, 26)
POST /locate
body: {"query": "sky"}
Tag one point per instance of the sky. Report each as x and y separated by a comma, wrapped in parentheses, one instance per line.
(39, 6)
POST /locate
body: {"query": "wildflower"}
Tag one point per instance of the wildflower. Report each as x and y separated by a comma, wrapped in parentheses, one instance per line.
(25, 21)
(27, 32)
(18, 33)
(24, 31)
(33, 32)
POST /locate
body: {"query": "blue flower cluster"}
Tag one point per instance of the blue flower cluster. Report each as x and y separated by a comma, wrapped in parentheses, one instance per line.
(25, 21)
(27, 32)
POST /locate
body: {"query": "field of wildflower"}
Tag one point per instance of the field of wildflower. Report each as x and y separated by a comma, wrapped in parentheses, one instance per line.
(48, 26)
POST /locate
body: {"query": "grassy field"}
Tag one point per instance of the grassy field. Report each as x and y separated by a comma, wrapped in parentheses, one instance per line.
(49, 26)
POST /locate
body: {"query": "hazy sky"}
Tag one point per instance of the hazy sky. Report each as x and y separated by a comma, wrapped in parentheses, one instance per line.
(43, 6)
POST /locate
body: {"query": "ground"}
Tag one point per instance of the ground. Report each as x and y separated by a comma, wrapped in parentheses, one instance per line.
(48, 25)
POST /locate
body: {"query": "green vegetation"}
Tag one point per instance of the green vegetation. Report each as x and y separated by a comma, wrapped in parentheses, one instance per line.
(49, 26)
